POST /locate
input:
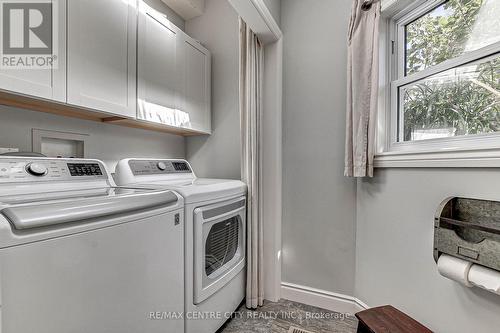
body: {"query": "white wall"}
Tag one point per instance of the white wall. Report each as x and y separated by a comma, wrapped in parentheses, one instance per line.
(374, 242)
(218, 155)
(106, 142)
(318, 201)
(394, 261)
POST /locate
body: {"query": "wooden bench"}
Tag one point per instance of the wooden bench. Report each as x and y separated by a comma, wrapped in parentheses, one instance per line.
(387, 319)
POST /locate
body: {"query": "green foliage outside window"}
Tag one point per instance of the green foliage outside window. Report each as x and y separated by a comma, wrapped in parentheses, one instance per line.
(467, 104)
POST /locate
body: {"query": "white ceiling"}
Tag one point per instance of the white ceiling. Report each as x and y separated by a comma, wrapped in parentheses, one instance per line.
(187, 9)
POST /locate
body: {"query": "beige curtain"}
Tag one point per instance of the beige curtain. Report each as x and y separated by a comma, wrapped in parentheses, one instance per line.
(251, 73)
(362, 89)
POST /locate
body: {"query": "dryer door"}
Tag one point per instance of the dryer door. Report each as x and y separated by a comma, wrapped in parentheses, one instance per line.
(219, 246)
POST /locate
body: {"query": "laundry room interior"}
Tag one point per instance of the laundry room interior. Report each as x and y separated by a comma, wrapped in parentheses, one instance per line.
(227, 166)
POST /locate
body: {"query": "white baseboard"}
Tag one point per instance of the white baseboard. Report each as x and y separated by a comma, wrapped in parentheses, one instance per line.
(322, 298)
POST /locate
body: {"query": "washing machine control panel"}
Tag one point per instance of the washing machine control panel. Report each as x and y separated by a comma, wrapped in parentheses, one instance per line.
(28, 170)
(84, 169)
(156, 167)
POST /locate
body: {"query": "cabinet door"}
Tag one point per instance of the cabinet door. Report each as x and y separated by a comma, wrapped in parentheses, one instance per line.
(102, 55)
(45, 83)
(159, 72)
(197, 85)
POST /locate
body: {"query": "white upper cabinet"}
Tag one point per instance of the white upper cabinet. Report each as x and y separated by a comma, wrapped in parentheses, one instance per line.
(173, 75)
(197, 83)
(102, 55)
(158, 69)
(121, 59)
(49, 83)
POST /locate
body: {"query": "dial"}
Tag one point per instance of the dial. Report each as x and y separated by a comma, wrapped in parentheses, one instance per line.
(36, 169)
(161, 165)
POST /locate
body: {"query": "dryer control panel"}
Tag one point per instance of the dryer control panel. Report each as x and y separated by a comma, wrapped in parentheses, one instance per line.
(156, 167)
(51, 169)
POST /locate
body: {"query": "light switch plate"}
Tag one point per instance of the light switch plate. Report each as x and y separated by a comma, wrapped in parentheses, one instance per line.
(8, 150)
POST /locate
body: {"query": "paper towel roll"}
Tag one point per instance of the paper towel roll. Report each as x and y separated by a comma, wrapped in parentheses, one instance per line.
(485, 278)
(455, 269)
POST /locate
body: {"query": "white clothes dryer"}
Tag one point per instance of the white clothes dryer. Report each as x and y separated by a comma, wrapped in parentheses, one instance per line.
(215, 225)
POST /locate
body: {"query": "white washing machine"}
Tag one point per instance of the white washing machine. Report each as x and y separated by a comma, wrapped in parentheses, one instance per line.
(79, 255)
(215, 213)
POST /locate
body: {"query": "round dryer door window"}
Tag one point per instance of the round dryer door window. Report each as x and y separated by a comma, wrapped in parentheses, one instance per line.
(222, 244)
(219, 245)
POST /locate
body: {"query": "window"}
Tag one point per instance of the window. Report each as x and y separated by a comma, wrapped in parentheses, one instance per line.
(464, 100)
(449, 30)
(444, 77)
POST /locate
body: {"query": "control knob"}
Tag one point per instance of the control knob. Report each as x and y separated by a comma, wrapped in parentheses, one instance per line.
(36, 169)
(162, 166)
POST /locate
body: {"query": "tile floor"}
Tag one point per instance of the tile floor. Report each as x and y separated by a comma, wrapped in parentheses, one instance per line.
(278, 317)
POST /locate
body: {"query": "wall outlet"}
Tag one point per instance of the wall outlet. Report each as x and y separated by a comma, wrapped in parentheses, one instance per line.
(8, 150)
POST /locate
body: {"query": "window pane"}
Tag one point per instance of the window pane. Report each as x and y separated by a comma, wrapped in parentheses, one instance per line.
(455, 27)
(460, 101)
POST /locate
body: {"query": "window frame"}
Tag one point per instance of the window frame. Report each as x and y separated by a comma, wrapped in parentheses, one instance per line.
(392, 77)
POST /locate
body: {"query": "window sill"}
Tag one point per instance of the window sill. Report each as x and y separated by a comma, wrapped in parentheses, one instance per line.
(450, 159)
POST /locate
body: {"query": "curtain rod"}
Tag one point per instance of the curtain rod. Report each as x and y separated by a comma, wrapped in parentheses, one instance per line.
(367, 4)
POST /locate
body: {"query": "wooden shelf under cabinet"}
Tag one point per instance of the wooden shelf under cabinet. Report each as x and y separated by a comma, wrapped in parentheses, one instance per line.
(62, 109)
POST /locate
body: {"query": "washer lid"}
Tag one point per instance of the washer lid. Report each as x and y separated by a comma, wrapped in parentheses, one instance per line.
(177, 175)
(25, 211)
(200, 189)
